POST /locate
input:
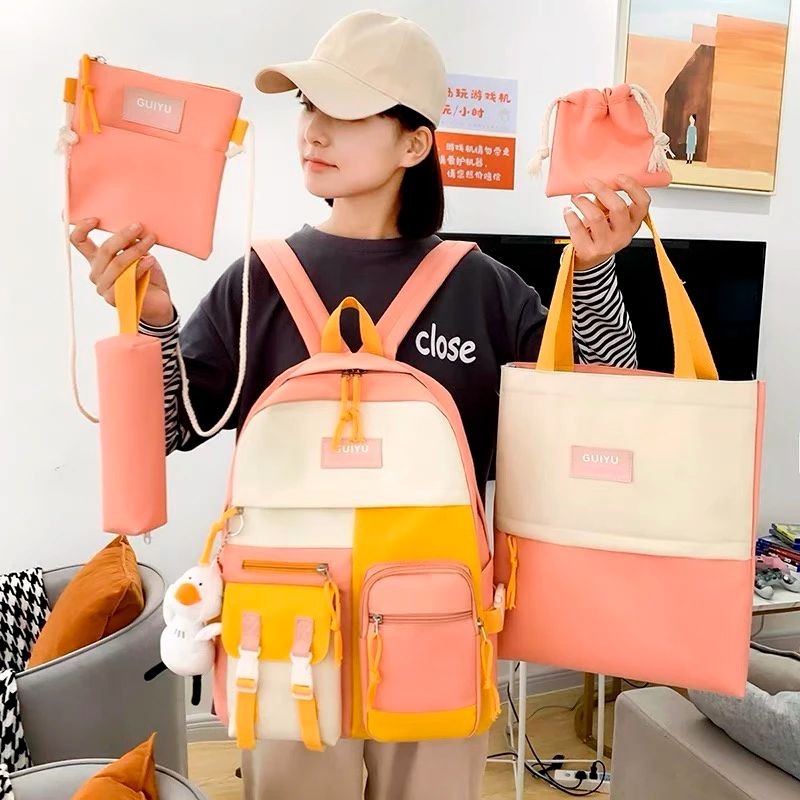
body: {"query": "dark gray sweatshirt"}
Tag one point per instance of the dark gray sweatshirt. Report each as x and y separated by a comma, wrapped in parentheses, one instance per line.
(483, 316)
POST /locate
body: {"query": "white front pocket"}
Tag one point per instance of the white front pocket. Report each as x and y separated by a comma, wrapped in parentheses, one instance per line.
(276, 710)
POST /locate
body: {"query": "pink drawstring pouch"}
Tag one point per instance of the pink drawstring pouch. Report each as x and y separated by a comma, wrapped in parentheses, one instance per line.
(602, 134)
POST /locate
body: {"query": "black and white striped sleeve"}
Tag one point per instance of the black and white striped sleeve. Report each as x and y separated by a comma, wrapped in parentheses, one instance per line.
(210, 373)
(168, 338)
(602, 329)
(601, 326)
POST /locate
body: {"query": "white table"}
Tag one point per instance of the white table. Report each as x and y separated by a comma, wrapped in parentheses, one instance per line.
(783, 601)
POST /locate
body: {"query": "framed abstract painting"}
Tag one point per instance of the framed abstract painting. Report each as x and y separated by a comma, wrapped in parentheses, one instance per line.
(715, 69)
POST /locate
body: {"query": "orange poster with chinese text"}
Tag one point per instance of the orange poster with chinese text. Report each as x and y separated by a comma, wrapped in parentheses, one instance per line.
(476, 161)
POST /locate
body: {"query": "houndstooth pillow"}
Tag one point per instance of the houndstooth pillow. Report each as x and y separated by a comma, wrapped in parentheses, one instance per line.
(5, 785)
(14, 754)
(23, 612)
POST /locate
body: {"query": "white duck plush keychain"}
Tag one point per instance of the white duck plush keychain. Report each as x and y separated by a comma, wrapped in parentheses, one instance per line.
(187, 647)
(190, 605)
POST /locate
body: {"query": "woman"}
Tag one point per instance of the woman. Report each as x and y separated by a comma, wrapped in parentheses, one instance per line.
(691, 139)
(371, 97)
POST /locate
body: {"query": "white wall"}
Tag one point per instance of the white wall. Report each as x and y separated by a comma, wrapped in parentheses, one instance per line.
(49, 454)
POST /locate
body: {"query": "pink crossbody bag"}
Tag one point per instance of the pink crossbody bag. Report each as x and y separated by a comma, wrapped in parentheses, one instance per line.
(142, 148)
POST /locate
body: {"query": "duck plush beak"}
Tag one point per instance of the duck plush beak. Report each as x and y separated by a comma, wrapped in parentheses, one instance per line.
(187, 594)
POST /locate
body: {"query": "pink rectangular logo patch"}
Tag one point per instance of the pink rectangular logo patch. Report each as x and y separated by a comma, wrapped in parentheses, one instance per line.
(353, 455)
(153, 109)
(600, 464)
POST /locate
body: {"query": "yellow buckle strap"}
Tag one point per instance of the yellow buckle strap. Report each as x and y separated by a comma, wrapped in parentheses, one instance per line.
(302, 681)
(247, 671)
(245, 720)
(307, 716)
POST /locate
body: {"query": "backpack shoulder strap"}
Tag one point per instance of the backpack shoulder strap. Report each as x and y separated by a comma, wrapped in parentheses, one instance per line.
(295, 287)
(418, 291)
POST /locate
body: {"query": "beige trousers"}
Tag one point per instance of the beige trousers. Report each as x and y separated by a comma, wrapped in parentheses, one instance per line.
(450, 769)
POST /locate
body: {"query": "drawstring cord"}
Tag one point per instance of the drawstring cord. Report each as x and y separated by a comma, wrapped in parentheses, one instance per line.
(658, 157)
(535, 164)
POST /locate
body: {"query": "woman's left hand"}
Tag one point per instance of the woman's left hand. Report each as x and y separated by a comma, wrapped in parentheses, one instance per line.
(608, 223)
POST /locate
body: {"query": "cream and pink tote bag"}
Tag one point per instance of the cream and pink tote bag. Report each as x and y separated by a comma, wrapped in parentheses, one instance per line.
(626, 507)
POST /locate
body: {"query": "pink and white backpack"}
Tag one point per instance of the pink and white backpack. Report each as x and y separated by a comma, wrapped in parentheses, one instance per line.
(358, 590)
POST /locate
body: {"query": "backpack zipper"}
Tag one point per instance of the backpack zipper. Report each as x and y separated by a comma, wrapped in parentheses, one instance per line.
(484, 655)
(329, 587)
(380, 619)
(290, 568)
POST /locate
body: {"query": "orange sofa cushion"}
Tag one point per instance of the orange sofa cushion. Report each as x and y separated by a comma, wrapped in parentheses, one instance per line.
(104, 596)
(132, 777)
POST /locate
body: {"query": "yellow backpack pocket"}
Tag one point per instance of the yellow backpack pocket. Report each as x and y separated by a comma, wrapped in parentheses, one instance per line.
(284, 652)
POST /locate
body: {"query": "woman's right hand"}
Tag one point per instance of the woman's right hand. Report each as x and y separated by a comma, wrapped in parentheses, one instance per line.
(110, 259)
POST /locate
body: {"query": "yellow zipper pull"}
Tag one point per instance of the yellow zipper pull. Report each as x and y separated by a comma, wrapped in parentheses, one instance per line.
(334, 601)
(87, 98)
(355, 409)
(350, 408)
(374, 653)
(344, 410)
(511, 589)
(487, 655)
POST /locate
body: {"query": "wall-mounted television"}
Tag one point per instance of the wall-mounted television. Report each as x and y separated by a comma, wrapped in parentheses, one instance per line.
(724, 280)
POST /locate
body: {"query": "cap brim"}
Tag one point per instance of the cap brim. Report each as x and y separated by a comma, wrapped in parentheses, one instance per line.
(328, 87)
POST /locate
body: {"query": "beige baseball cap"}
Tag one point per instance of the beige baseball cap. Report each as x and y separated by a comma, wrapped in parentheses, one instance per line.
(365, 64)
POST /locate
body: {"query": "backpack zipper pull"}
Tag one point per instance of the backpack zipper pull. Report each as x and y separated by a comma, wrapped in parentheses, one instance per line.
(374, 653)
(487, 659)
(350, 407)
(344, 410)
(335, 606)
(355, 407)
